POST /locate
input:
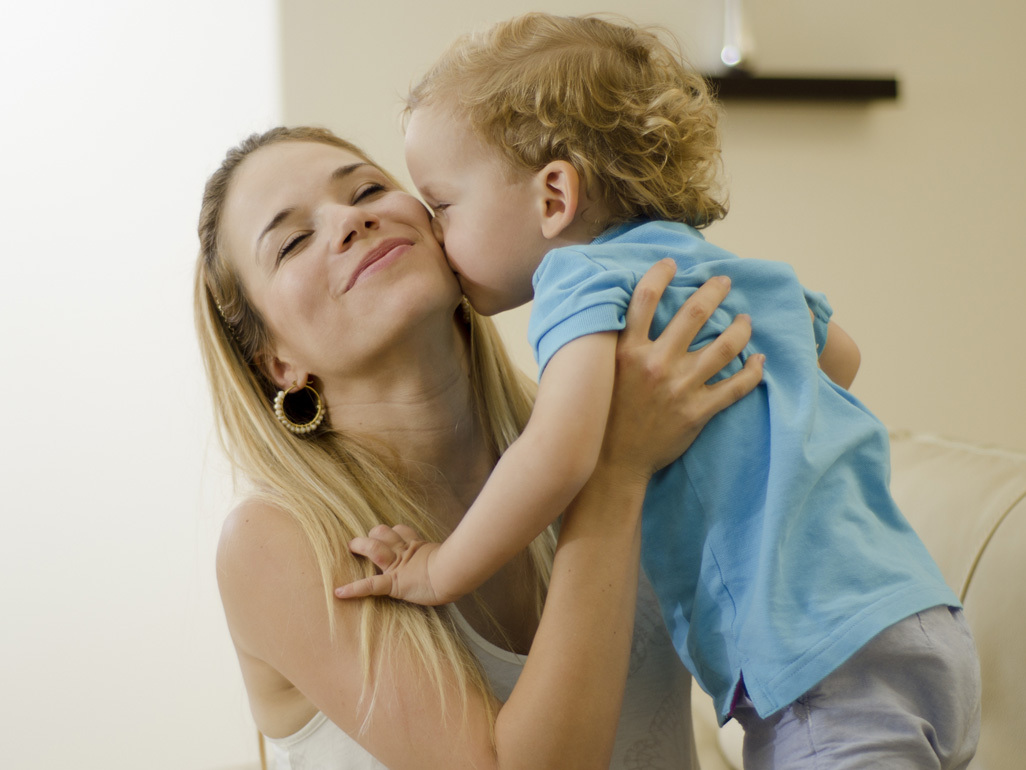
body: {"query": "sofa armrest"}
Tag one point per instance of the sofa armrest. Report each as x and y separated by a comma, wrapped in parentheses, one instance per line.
(968, 504)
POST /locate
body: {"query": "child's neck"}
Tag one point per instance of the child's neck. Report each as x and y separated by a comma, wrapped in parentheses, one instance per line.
(589, 223)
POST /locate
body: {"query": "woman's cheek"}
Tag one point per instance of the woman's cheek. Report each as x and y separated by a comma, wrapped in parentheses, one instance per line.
(438, 230)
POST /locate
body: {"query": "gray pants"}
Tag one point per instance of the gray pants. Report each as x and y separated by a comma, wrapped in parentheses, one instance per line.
(909, 699)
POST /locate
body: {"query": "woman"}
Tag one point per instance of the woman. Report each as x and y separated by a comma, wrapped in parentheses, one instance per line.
(318, 273)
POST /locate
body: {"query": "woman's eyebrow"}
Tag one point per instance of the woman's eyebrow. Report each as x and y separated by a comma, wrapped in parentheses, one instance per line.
(343, 171)
(338, 174)
(276, 220)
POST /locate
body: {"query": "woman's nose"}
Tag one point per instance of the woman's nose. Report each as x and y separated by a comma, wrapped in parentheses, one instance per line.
(349, 224)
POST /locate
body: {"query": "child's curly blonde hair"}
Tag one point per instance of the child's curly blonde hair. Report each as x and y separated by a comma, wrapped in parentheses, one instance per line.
(614, 100)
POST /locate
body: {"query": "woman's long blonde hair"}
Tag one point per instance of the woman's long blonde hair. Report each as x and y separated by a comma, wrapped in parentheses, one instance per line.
(615, 100)
(334, 485)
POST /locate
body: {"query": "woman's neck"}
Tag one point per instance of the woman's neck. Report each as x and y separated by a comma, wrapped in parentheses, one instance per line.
(424, 411)
(421, 406)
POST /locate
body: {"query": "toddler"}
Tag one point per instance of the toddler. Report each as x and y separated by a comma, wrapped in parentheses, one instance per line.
(562, 157)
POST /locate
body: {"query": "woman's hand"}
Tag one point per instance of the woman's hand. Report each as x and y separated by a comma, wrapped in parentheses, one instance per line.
(661, 400)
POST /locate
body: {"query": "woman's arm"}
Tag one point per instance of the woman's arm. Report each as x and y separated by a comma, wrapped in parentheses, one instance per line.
(660, 404)
(561, 713)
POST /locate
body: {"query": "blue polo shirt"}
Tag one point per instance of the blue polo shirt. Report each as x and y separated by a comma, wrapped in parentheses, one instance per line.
(773, 543)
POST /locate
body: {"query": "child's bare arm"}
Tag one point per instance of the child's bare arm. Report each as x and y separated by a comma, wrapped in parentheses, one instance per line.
(533, 482)
(840, 358)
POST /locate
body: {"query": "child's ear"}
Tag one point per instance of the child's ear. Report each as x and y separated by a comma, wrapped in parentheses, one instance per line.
(559, 188)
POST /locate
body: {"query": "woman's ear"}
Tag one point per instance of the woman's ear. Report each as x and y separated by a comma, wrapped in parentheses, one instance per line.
(559, 187)
(282, 373)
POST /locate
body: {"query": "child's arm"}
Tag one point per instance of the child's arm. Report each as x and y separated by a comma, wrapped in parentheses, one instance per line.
(533, 482)
(840, 358)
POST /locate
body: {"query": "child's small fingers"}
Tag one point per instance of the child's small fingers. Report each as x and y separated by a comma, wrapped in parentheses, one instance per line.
(406, 533)
(385, 534)
(381, 554)
(377, 585)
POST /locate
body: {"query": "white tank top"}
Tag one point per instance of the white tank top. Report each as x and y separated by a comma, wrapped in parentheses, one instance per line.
(655, 721)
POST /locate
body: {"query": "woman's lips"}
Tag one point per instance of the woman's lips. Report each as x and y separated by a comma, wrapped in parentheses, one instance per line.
(377, 258)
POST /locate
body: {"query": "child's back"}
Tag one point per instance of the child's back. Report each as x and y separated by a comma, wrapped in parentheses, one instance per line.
(773, 542)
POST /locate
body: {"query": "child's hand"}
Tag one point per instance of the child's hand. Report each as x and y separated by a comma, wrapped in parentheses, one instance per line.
(403, 559)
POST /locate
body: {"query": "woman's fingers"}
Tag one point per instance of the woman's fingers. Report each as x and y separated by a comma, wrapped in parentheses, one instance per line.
(725, 348)
(682, 329)
(740, 384)
(645, 299)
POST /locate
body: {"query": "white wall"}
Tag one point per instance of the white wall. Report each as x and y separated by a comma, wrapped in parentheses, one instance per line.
(907, 214)
(115, 652)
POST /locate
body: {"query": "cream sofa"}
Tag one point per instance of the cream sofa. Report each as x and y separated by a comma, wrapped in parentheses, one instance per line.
(968, 504)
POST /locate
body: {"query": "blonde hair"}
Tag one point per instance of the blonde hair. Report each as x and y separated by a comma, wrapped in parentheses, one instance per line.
(614, 100)
(334, 485)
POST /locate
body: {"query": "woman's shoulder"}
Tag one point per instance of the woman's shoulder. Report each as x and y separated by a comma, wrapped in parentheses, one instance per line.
(253, 532)
(255, 515)
(269, 578)
(264, 560)
(267, 575)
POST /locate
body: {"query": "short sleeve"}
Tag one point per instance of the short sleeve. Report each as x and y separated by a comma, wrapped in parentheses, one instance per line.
(575, 296)
(821, 312)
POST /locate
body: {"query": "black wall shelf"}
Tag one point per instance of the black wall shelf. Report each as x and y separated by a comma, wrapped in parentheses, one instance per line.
(737, 86)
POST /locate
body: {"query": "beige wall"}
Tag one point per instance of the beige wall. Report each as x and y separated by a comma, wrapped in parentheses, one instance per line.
(115, 650)
(905, 213)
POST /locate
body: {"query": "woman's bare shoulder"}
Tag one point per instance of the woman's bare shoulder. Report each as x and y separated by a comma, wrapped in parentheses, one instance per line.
(264, 564)
(274, 602)
(258, 537)
(251, 526)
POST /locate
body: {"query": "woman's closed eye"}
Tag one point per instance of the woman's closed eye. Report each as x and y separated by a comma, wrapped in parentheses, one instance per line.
(362, 193)
(367, 190)
(290, 245)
